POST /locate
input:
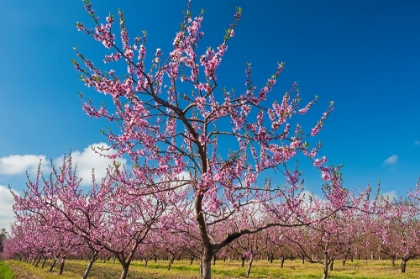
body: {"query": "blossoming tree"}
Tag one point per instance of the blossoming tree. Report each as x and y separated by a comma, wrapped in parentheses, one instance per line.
(172, 116)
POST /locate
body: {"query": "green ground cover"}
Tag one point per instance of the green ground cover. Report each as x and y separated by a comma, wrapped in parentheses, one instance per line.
(182, 269)
(5, 272)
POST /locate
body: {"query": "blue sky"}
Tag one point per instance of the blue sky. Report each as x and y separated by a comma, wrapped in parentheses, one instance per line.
(361, 54)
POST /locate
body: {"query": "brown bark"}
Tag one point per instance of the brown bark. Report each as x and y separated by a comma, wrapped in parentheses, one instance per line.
(248, 271)
(88, 268)
(326, 265)
(171, 261)
(63, 260)
(403, 265)
(206, 267)
(43, 263)
(124, 272)
(243, 261)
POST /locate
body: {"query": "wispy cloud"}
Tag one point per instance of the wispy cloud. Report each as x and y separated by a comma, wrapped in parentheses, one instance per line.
(391, 160)
(417, 142)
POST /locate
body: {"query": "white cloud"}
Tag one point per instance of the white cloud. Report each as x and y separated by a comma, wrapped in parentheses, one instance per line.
(6, 211)
(85, 161)
(88, 159)
(18, 164)
(391, 160)
(417, 142)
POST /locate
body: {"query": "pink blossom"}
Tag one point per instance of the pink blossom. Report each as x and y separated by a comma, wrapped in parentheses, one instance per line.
(325, 175)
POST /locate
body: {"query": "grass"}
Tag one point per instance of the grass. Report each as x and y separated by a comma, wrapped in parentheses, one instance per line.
(182, 269)
(5, 272)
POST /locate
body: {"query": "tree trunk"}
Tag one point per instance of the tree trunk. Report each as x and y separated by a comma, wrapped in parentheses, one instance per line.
(171, 261)
(124, 272)
(326, 265)
(191, 260)
(403, 265)
(243, 261)
(282, 261)
(37, 262)
(248, 271)
(54, 262)
(332, 265)
(92, 260)
(62, 261)
(214, 260)
(43, 263)
(344, 262)
(145, 262)
(325, 273)
(393, 260)
(201, 268)
(206, 265)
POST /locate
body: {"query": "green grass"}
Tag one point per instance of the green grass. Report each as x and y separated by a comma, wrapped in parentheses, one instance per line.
(5, 272)
(229, 269)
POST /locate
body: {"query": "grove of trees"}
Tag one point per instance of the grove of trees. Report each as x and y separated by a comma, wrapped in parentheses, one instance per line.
(196, 188)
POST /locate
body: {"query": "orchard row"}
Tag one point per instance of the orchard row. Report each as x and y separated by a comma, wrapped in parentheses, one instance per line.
(55, 219)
